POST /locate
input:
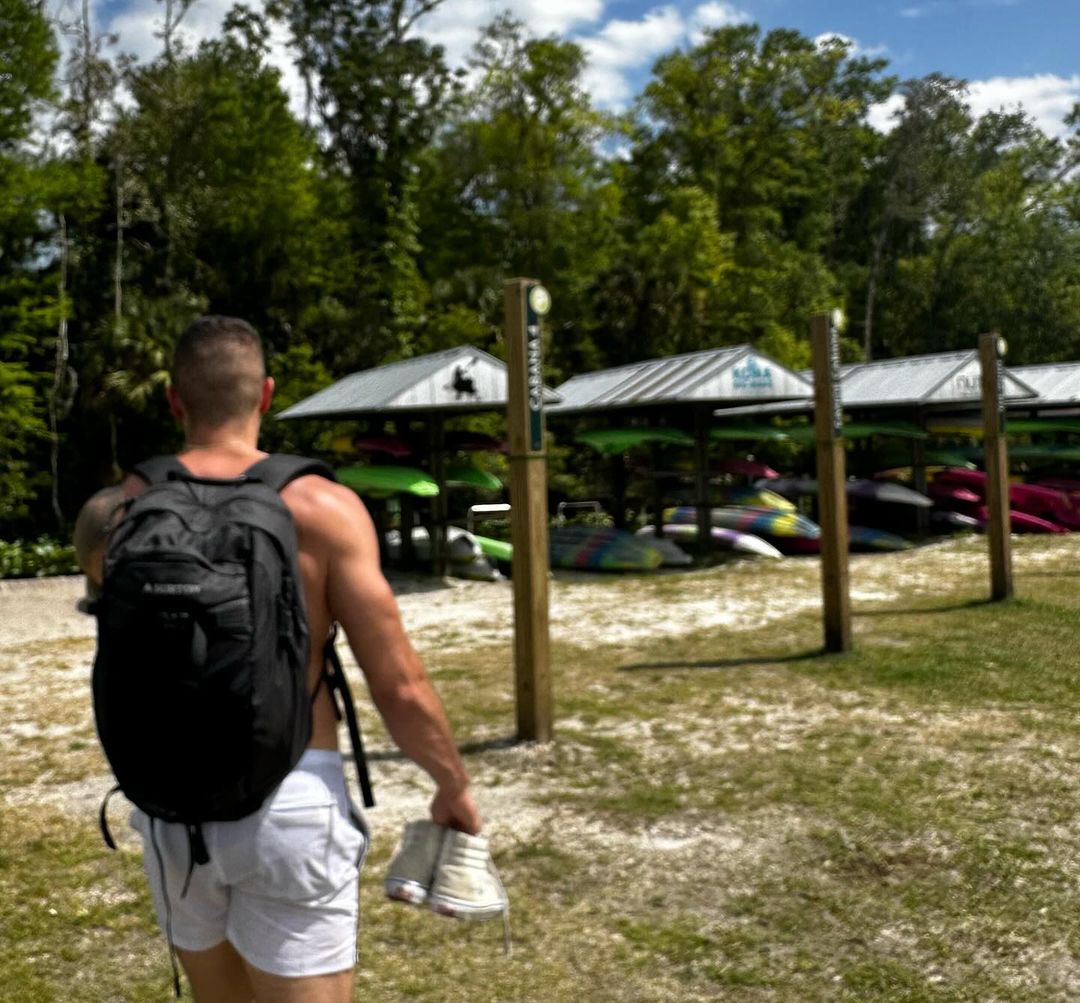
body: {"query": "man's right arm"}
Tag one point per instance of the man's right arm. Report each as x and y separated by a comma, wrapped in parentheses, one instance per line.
(96, 520)
(92, 527)
(360, 599)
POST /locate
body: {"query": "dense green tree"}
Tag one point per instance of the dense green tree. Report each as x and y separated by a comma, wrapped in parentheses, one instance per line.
(29, 300)
(971, 232)
(772, 128)
(379, 91)
(516, 184)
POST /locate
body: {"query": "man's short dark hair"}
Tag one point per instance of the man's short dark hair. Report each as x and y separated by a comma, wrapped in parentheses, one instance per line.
(218, 369)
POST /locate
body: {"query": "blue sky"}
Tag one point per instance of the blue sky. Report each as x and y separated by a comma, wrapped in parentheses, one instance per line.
(1013, 51)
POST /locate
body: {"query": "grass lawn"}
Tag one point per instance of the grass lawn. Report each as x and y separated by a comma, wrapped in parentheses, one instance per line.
(726, 815)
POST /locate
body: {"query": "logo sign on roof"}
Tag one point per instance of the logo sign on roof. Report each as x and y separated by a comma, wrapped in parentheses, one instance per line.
(967, 385)
(752, 376)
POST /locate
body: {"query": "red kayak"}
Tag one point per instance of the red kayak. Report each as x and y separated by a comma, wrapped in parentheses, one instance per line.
(954, 494)
(389, 444)
(1037, 500)
(1024, 523)
(747, 468)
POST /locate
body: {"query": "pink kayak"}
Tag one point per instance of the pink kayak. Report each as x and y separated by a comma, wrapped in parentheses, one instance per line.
(389, 444)
(1024, 523)
(1070, 485)
(953, 494)
(1030, 499)
(746, 468)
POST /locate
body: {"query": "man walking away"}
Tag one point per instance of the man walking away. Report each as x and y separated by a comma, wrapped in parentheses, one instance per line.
(272, 913)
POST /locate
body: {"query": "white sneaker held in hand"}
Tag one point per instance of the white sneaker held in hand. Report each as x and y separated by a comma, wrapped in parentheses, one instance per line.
(466, 884)
(412, 868)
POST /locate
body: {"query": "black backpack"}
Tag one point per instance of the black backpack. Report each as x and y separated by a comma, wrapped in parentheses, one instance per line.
(201, 693)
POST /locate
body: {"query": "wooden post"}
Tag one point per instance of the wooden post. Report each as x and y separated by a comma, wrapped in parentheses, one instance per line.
(919, 483)
(439, 507)
(996, 458)
(832, 493)
(526, 303)
(657, 493)
(702, 420)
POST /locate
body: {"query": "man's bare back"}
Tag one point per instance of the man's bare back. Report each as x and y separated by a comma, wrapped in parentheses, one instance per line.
(219, 394)
(343, 582)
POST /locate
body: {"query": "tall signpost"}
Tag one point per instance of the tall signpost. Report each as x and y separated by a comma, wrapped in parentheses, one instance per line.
(526, 303)
(991, 351)
(832, 494)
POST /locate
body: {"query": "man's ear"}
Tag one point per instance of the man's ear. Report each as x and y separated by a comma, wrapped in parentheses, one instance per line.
(176, 409)
(267, 395)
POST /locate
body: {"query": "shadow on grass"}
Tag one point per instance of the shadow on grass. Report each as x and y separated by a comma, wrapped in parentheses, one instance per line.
(924, 610)
(726, 663)
(466, 749)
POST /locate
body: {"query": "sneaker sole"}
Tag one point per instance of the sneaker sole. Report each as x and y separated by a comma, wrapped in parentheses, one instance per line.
(405, 891)
(458, 909)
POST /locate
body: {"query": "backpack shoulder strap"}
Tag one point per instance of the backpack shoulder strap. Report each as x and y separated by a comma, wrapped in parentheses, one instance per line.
(159, 469)
(279, 469)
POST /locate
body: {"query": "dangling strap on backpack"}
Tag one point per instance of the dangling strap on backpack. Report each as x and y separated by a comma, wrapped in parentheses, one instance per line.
(343, 701)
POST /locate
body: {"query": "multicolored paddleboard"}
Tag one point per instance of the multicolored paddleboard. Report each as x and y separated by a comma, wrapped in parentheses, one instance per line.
(789, 532)
(752, 498)
(601, 548)
(730, 539)
(674, 555)
(382, 482)
(869, 539)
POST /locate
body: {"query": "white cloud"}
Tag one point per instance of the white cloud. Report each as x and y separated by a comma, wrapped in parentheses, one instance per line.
(624, 46)
(622, 50)
(1045, 97)
(855, 50)
(883, 116)
(713, 15)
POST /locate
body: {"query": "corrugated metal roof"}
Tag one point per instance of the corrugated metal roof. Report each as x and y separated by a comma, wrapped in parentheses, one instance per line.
(714, 376)
(456, 380)
(944, 378)
(1055, 382)
(940, 379)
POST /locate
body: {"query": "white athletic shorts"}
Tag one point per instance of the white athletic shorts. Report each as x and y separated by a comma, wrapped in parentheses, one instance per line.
(281, 885)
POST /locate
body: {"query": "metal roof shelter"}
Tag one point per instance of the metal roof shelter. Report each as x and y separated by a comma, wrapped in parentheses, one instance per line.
(944, 380)
(456, 381)
(917, 386)
(694, 383)
(1056, 383)
(431, 388)
(728, 375)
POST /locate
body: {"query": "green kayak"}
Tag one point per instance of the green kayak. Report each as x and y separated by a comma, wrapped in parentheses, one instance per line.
(465, 475)
(382, 482)
(613, 441)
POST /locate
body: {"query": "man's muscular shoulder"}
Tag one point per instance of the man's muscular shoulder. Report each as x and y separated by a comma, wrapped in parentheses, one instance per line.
(326, 511)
